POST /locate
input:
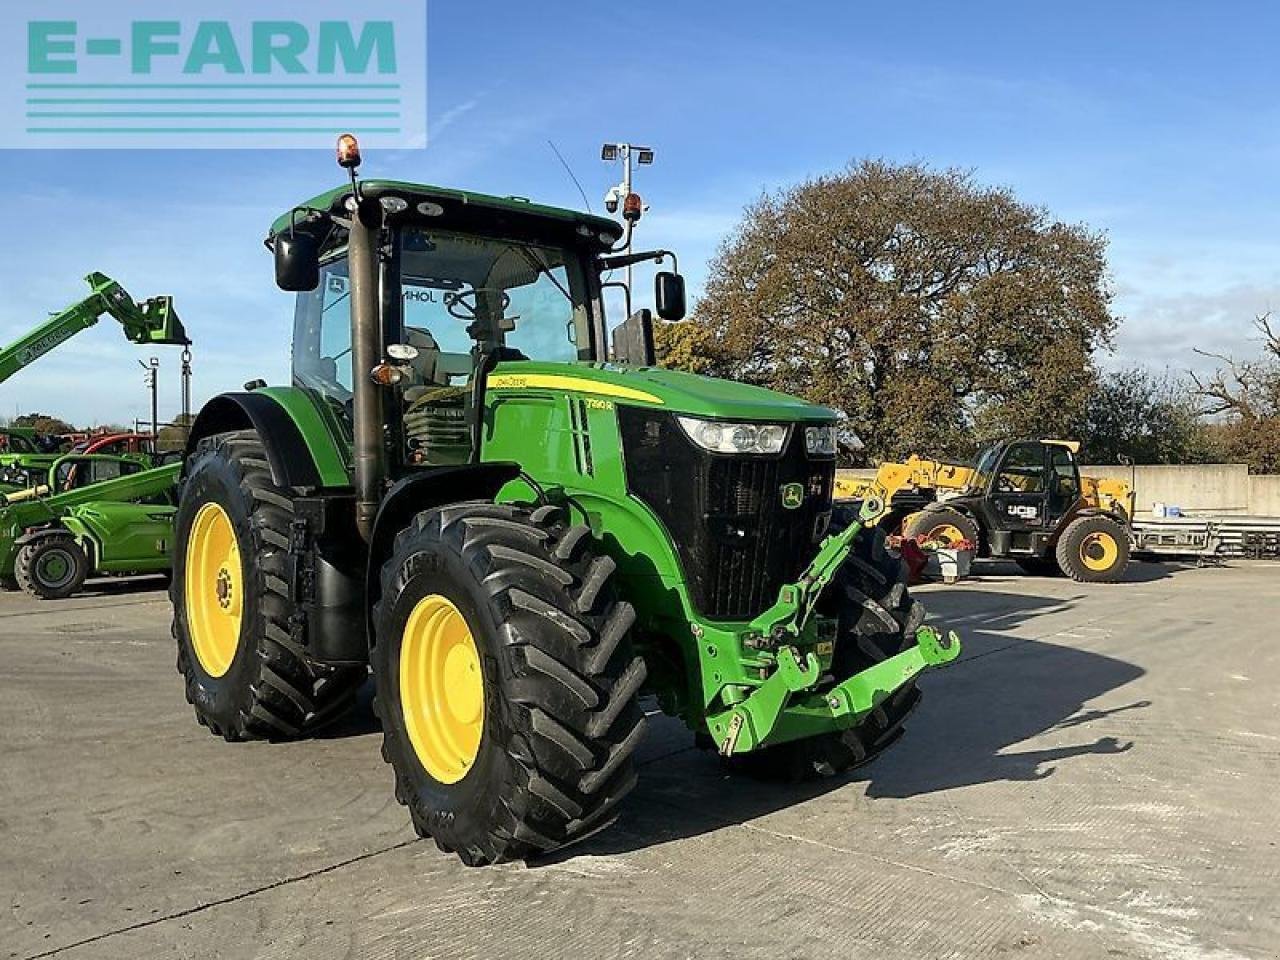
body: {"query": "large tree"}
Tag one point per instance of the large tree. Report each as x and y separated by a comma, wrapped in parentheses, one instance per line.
(1137, 416)
(1243, 398)
(934, 312)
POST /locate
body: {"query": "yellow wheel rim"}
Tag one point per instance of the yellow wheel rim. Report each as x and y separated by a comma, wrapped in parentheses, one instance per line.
(441, 688)
(213, 589)
(1099, 551)
(947, 533)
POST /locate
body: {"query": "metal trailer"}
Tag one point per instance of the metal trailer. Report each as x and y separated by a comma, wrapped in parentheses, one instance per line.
(1208, 537)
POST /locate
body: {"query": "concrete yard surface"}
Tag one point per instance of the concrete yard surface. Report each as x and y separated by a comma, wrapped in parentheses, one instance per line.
(1098, 776)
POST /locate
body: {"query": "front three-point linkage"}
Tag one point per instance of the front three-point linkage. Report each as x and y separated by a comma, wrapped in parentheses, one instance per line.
(786, 704)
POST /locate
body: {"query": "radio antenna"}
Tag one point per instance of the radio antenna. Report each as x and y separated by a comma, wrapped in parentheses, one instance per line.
(569, 171)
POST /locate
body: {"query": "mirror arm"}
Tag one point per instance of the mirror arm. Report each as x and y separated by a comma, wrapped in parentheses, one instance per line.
(627, 259)
(626, 291)
(313, 215)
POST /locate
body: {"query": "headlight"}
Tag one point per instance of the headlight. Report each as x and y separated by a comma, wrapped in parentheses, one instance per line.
(820, 441)
(719, 436)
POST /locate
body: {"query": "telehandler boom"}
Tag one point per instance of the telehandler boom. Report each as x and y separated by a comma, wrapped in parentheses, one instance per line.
(153, 321)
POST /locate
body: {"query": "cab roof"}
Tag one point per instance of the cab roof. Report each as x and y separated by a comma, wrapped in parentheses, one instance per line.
(454, 202)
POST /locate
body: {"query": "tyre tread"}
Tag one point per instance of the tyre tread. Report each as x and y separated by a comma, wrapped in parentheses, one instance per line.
(287, 695)
(569, 680)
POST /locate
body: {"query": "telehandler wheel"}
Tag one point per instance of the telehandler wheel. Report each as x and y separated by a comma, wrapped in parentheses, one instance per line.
(877, 619)
(945, 524)
(245, 675)
(52, 568)
(8, 583)
(1093, 550)
(506, 684)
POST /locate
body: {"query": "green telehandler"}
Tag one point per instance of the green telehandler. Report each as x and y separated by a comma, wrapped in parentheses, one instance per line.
(520, 531)
(152, 321)
(93, 514)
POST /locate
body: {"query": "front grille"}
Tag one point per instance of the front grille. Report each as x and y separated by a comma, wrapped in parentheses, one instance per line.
(736, 541)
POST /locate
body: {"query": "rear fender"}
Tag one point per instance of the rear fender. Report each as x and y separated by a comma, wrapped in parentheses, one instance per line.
(69, 525)
(47, 533)
(1090, 511)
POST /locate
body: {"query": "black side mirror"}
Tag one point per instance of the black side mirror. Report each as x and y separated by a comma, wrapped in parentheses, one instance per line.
(668, 295)
(633, 340)
(297, 262)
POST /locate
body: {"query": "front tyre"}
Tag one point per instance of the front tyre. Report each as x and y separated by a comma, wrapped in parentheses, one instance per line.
(506, 684)
(245, 675)
(1093, 549)
(52, 568)
(944, 525)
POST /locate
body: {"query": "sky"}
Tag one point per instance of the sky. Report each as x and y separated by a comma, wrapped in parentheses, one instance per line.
(1153, 122)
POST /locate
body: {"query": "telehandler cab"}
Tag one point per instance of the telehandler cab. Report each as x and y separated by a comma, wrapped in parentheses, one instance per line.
(519, 533)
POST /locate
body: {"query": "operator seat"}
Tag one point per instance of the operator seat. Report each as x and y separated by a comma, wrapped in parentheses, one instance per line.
(425, 365)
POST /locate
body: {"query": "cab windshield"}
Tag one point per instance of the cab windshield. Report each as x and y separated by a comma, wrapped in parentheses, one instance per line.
(982, 471)
(530, 299)
(15, 443)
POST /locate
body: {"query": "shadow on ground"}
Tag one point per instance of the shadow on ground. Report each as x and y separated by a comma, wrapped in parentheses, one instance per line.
(124, 586)
(1002, 692)
(1137, 571)
(356, 722)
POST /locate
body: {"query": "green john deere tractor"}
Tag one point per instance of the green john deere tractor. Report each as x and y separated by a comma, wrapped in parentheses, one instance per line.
(521, 532)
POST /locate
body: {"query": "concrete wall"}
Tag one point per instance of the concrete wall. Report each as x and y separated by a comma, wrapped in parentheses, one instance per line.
(1264, 495)
(1224, 488)
(1199, 488)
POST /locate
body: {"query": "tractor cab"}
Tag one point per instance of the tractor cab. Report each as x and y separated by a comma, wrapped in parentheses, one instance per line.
(450, 295)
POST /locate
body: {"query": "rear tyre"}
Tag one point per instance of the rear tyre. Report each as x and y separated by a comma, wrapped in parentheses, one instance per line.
(1093, 549)
(946, 525)
(246, 676)
(506, 684)
(877, 620)
(1040, 566)
(52, 568)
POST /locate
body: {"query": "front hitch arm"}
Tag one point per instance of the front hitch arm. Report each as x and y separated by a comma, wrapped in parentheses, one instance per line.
(784, 622)
(764, 716)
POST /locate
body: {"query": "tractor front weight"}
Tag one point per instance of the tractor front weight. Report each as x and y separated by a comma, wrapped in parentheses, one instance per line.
(791, 648)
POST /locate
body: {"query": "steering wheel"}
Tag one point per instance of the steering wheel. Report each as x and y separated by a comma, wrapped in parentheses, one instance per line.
(469, 301)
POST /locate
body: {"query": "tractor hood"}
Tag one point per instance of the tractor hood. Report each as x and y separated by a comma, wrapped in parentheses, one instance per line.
(672, 390)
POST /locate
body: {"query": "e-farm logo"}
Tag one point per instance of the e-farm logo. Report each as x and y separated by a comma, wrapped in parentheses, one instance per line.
(220, 74)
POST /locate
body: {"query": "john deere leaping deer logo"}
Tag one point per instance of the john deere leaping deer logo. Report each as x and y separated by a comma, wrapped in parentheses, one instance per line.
(792, 495)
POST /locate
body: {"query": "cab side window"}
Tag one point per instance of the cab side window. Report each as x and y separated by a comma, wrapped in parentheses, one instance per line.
(322, 335)
(1066, 482)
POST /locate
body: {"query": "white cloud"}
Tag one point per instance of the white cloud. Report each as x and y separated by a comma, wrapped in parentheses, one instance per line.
(1163, 330)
